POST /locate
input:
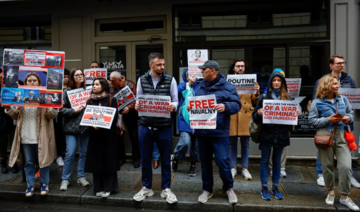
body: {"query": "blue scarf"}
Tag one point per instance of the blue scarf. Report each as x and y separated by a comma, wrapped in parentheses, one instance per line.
(275, 94)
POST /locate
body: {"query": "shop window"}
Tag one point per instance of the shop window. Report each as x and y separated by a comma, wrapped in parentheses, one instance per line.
(113, 58)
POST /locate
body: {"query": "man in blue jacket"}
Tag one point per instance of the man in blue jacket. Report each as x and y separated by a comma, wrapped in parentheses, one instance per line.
(187, 135)
(215, 141)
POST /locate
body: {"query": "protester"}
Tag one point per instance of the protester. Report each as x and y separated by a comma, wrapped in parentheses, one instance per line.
(324, 116)
(337, 66)
(94, 64)
(215, 141)
(74, 132)
(275, 136)
(155, 129)
(66, 78)
(239, 124)
(34, 131)
(102, 158)
(187, 135)
(130, 117)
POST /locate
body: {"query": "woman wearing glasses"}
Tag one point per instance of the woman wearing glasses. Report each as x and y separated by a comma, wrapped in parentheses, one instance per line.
(74, 132)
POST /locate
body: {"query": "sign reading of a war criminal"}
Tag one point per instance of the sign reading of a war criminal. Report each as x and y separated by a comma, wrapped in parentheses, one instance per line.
(280, 112)
(196, 57)
(154, 105)
(293, 86)
(244, 83)
(202, 112)
(124, 97)
(98, 116)
(91, 74)
(353, 95)
(78, 97)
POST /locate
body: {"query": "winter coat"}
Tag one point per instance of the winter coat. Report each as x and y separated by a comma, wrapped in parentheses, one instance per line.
(182, 125)
(45, 135)
(239, 123)
(272, 134)
(103, 155)
(226, 94)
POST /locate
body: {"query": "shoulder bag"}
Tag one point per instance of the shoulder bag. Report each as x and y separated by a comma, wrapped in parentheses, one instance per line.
(324, 141)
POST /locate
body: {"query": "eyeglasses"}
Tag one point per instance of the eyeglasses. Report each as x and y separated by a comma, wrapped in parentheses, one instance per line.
(79, 75)
(340, 64)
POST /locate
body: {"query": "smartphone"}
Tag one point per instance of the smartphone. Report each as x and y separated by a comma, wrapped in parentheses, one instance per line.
(338, 115)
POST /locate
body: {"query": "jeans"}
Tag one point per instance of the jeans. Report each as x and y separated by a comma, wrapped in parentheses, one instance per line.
(71, 143)
(319, 167)
(233, 141)
(264, 163)
(31, 154)
(220, 147)
(162, 137)
(187, 139)
(156, 153)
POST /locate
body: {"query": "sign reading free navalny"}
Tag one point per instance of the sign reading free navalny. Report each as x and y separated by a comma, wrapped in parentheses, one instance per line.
(280, 112)
(202, 112)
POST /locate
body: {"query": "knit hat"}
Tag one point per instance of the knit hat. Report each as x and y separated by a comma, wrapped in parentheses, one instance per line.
(279, 70)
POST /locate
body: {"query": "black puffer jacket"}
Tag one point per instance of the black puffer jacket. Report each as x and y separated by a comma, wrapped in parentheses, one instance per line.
(272, 134)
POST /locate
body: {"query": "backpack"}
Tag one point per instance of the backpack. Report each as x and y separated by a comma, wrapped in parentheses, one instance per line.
(254, 128)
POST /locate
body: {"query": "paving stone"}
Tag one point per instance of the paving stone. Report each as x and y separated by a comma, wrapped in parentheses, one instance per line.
(127, 180)
(187, 187)
(303, 189)
(247, 187)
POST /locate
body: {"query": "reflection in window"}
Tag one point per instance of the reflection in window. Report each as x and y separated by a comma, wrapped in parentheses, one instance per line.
(113, 58)
(225, 57)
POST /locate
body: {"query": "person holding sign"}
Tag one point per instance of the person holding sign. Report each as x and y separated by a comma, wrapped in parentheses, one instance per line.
(156, 129)
(272, 136)
(239, 124)
(330, 113)
(102, 158)
(215, 141)
(74, 132)
(36, 140)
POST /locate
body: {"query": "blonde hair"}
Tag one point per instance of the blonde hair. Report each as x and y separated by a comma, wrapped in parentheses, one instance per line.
(324, 86)
(283, 92)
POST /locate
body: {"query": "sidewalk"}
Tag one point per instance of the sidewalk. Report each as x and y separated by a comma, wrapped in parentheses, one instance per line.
(301, 193)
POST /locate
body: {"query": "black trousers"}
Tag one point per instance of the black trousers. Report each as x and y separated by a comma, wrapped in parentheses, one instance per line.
(132, 128)
(6, 135)
(59, 137)
(107, 182)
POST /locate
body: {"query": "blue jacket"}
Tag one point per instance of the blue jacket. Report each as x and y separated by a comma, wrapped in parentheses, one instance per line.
(182, 125)
(226, 94)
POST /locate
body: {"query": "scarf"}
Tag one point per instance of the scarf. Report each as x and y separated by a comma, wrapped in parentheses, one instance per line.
(274, 95)
(98, 96)
(213, 82)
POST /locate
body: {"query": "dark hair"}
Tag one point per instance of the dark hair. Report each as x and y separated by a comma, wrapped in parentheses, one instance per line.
(154, 55)
(0, 70)
(95, 62)
(332, 58)
(71, 82)
(232, 65)
(66, 71)
(104, 84)
(32, 74)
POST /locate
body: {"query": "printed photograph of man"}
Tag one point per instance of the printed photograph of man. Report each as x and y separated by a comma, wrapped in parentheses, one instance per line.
(197, 55)
(93, 117)
(31, 98)
(101, 117)
(35, 61)
(17, 97)
(11, 76)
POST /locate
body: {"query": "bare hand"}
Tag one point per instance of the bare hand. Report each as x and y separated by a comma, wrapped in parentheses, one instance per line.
(125, 110)
(192, 80)
(188, 107)
(298, 112)
(96, 128)
(334, 119)
(171, 108)
(257, 88)
(260, 111)
(220, 108)
(137, 106)
(345, 119)
(79, 109)
(7, 108)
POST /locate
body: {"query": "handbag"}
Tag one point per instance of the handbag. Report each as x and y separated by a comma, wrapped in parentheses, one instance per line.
(254, 128)
(324, 141)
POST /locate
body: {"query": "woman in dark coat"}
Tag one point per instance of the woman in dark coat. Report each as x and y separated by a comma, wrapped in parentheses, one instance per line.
(103, 157)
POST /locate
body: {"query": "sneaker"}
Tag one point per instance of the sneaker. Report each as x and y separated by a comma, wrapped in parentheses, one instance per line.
(174, 163)
(192, 170)
(330, 198)
(265, 193)
(64, 185)
(99, 194)
(143, 193)
(282, 174)
(246, 174)
(278, 195)
(60, 161)
(350, 204)
(44, 190)
(82, 181)
(355, 183)
(271, 173)
(37, 175)
(29, 191)
(233, 172)
(320, 181)
(204, 196)
(169, 195)
(105, 194)
(232, 196)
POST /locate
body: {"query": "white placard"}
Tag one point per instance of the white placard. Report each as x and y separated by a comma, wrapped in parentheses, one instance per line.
(78, 97)
(98, 116)
(244, 83)
(202, 113)
(203, 124)
(293, 86)
(124, 97)
(353, 95)
(154, 105)
(91, 74)
(280, 112)
(196, 57)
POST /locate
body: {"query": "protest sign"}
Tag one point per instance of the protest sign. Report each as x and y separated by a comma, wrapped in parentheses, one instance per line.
(280, 112)
(124, 97)
(154, 106)
(244, 83)
(24, 67)
(196, 57)
(202, 113)
(98, 116)
(293, 86)
(91, 74)
(79, 97)
(353, 95)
